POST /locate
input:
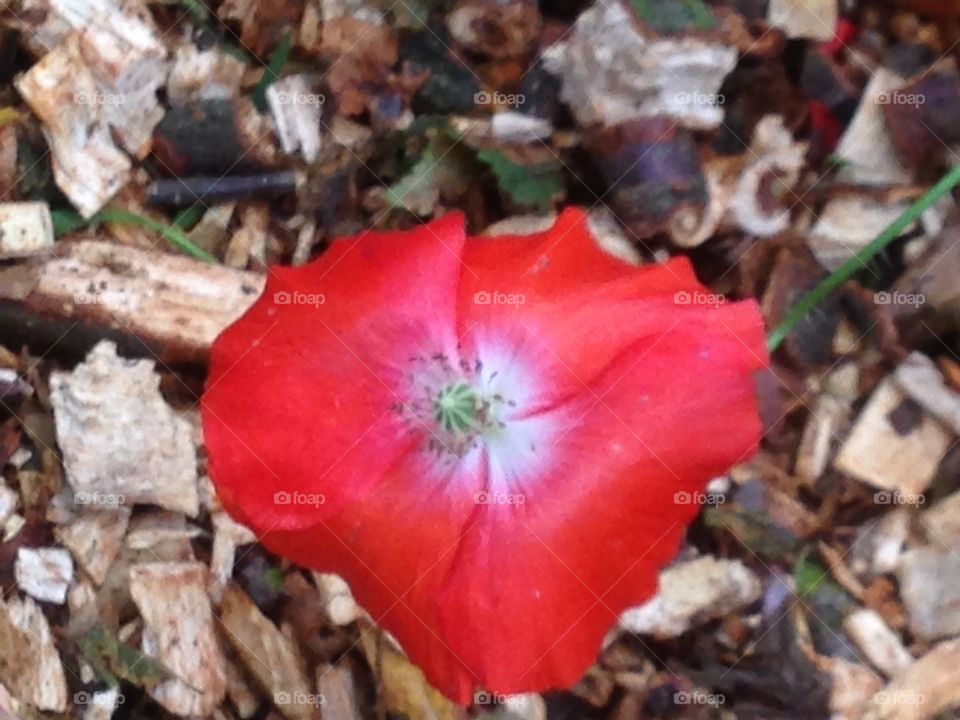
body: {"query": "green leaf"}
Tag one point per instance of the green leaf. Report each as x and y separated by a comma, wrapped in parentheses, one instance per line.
(114, 661)
(675, 16)
(66, 221)
(188, 217)
(416, 190)
(535, 185)
(843, 273)
(754, 529)
(274, 579)
(271, 74)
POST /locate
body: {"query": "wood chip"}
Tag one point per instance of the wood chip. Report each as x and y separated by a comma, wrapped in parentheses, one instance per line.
(853, 688)
(173, 302)
(94, 539)
(848, 224)
(179, 633)
(241, 695)
(919, 377)
(152, 529)
(881, 646)
(930, 588)
(96, 93)
(335, 594)
(902, 459)
(29, 663)
(44, 573)
(866, 146)
(828, 421)
(119, 437)
(227, 536)
(268, 655)
(692, 593)
(336, 687)
(210, 74)
(647, 76)
(923, 690)
(25, 229)
(296, 107)
(878, 545)
(941, 522)
(813, 19)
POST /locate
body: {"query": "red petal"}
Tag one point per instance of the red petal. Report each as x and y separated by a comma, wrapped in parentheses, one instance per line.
(298, 394)
(598, 524)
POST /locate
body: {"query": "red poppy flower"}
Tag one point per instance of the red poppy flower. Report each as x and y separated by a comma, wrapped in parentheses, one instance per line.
(496, 441)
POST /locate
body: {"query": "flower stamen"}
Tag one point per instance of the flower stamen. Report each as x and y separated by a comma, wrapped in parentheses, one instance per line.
(456, 408)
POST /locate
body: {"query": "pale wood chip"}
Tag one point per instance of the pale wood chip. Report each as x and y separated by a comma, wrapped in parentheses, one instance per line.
(26, 228)
(866, 146)
(96, 92)
(94, 538)
(336, 688)
(930, 588)
(227, 536)
(941, 522)
(296, 107)
(152, 529)
(899, 459)
(44, 573)
(881, 645)
(854, 686)
(119, 437)
(922, 690)
(814, 19)
(919, 377)
(241, 695)
(179, 633)
(848, 224)
(268, 655)
(338, 601)
(29, 663)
